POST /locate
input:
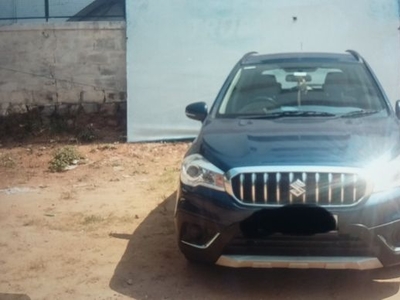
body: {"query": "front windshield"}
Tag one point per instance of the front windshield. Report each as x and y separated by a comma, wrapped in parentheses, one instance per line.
(332, 88)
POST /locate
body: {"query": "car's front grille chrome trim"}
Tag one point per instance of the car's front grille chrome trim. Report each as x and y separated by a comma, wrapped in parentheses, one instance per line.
(390, 246)
(253, 187)
(317, 187)
(330, 188)
(278, 187)
(202, 247)
(265, 177)
(241, 186)
(355, 190)
(281, 185)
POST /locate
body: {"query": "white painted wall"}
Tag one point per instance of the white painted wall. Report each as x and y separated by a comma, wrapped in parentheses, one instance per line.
(180, 51)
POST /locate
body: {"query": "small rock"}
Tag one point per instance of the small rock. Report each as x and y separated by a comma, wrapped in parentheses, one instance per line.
(136, 217)
(70, 168)
(129, 281)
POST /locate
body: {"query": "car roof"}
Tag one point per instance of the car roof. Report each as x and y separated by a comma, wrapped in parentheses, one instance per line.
(255, 58)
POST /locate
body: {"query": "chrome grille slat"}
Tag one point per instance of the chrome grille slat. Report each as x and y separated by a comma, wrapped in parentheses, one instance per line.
(355, 189)
(304, 177)
(291, 187)
(278, 188)
(291, 176)
(317, 187)
(330, 188)
(265, 177)
(342, 181)
(253, 187)
(241, 186)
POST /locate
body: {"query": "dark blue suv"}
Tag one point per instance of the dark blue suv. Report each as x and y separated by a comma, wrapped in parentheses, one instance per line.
(297, 165)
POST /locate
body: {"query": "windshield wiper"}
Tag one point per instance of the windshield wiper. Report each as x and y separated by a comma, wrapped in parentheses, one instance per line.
(360, 113)
(282, 114)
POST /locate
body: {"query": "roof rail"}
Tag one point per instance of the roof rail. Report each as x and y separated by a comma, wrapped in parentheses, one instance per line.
(248, 54)
(355, 54)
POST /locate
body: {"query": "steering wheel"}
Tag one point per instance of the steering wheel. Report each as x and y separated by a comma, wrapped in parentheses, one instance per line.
(259, 105)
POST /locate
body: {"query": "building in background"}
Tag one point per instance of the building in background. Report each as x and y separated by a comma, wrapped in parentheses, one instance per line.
(38, 11)
(102, 10)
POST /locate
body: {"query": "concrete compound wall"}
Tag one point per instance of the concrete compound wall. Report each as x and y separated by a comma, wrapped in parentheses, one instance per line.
(62, 65)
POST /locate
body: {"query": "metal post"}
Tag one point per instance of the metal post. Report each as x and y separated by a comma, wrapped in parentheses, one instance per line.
(46, 9)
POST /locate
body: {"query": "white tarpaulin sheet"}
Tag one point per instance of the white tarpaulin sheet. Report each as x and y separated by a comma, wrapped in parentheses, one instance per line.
(180, 51)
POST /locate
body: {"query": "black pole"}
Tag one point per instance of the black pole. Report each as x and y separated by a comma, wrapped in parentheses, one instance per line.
(46, 9)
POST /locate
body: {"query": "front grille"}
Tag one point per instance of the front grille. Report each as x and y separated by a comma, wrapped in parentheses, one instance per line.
(282, 188)
(329, 244)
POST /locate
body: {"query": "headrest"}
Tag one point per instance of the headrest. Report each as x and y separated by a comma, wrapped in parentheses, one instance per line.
(269, 78)
(263, 81)
(335, 78)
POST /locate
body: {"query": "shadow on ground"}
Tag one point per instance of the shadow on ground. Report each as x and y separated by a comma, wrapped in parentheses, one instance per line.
(14, 297)
(152, 268)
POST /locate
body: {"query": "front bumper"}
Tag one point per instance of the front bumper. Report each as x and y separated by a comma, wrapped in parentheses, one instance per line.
(290, 262)
(210, 229)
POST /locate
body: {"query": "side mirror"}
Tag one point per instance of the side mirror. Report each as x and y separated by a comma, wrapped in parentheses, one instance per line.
(197, 111)
(397, 109)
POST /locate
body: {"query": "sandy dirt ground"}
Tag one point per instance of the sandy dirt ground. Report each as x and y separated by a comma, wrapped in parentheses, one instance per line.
(105, 231)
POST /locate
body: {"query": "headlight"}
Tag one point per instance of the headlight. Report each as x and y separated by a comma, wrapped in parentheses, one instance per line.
(196, 170)
(384, 175)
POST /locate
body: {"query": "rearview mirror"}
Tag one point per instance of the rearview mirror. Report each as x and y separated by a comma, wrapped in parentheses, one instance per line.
(197, 111)
(296, 77)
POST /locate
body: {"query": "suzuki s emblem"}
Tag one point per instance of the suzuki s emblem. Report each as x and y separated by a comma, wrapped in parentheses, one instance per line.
(297, 188)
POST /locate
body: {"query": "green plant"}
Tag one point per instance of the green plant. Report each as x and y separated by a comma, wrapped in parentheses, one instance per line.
(92, 219)
(7, 161)
(58, 124)
(107, 147)
(63, 158)
(87, 134)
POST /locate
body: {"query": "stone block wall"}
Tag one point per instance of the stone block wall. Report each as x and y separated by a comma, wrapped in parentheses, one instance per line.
(71, 64)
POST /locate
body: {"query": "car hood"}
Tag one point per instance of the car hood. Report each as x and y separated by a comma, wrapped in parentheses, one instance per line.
(350, 142)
